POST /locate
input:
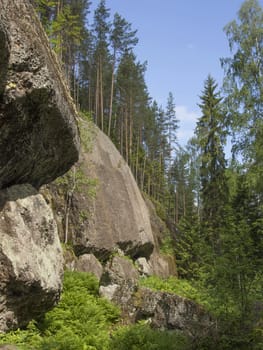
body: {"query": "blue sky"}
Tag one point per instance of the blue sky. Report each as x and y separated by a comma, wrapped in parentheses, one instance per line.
(182, 41)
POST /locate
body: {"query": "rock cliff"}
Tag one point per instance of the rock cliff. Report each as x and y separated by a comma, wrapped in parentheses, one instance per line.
(107, 211)
(98, 207)
(38, 133)
(38, 142)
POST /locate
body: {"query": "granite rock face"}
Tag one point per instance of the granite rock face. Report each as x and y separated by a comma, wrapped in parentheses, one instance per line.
(38, 132)
(161, 265)
(31, 257)
(118, 214)
(120, 284)
(118, 270)
(170, 311)
(115, 216)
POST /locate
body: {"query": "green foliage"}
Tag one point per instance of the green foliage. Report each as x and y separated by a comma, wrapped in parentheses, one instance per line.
(167, 245)
(211, 138)
(24, 339)
(177, 286)
(81, 320)
(46, 10)
(188, 248)
(87, 131)
(77, 180)
(142, 337)
(243, 80)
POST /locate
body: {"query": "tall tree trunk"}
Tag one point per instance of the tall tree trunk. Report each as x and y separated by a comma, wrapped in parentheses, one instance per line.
(111, 92)
(121, 133)
(176, 207)
(130, 130)
(137, 156)
(143, 172)
(101, 97)
(126, 136)
(97, 97)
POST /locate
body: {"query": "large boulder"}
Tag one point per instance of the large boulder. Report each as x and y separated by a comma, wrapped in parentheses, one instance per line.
(38, 132)
(31, 257)
(114, 216)
(120, 284)
(169, 311)
(118, 215)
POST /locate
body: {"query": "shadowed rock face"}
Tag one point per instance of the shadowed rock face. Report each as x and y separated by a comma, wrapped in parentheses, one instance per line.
(4, 57)
(38, 133)
(31, 259)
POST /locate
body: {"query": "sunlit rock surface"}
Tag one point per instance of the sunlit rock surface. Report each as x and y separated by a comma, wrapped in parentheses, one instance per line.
(31, 258)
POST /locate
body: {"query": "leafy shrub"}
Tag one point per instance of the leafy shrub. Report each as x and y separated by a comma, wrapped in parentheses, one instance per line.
(167, 246)
(81, 321)
(177, 286)
(142, 337)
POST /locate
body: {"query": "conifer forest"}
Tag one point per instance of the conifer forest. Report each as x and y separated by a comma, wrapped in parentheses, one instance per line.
(211, 203)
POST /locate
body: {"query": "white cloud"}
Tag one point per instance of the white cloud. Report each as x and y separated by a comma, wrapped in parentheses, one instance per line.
(187, 122)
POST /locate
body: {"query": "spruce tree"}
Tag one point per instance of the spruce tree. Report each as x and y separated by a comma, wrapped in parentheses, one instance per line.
(211, 138)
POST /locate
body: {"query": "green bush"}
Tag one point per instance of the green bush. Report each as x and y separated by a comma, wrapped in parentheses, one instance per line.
(81, 321)
(142, 337)
(177, 286)
(167, 247)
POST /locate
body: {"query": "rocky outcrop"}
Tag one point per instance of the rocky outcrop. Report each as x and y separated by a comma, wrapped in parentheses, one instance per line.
(169, 311)
(118, 214)
(114, 216)
(162, 265)
(38, 133)
(118, 270)
(30, 257)
(120, 284)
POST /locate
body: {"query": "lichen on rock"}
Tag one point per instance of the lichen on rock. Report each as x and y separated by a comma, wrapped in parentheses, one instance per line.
(31, 257)
(38, 131)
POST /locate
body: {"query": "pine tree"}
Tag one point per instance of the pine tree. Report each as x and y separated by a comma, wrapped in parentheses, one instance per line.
(132, 97)
(46, 10)
(101, 32)
(122, 40)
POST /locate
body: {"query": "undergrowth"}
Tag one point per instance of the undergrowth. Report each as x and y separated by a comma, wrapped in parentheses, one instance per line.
(84, 321)
(177, 286)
